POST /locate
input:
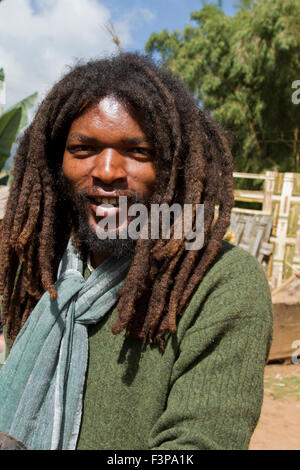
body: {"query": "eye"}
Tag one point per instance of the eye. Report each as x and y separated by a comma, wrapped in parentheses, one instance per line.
(146, 152)
(80, 149)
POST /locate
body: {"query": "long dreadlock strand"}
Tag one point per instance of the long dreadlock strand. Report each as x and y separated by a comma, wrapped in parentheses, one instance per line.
(193, 165)
(138, 268)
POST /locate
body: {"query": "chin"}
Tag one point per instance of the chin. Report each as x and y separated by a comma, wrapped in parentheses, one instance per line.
(91, 242)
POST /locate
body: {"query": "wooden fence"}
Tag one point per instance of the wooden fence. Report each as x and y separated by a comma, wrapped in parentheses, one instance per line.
(280, 201)
(276, 227)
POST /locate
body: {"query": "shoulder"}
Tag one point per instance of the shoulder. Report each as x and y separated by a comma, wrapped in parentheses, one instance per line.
(233, 260)
(234, 287)
(236, 271)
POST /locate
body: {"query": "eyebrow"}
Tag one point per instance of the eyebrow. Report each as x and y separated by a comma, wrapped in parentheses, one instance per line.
(84, 139)
(135, 141)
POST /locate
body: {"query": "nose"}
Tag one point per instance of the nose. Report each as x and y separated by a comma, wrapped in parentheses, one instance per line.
(109, 167)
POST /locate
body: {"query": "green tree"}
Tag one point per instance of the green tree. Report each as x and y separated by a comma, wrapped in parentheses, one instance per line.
(242, 68)
(244, 4)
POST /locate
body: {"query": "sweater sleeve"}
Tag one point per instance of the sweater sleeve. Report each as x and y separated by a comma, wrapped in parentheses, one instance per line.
(216, 389)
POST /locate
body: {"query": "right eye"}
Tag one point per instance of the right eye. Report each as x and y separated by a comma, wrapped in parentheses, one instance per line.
(80, 149)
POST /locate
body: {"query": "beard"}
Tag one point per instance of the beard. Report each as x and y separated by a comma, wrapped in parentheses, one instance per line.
(89, 239)
(78, 202)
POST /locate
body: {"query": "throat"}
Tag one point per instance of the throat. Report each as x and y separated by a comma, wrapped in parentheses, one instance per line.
(97, 258)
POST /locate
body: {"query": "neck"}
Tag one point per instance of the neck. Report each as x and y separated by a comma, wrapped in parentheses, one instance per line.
(97, 258)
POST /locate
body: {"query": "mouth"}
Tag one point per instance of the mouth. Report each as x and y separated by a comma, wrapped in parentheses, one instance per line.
(108, 206)
(102, 200)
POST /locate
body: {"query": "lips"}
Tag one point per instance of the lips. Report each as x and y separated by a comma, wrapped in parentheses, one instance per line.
(108, 204)
(108, 210)
(105, 205)
(100, 200)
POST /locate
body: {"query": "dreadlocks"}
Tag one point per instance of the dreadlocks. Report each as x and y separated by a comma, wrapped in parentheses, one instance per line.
(193, 165)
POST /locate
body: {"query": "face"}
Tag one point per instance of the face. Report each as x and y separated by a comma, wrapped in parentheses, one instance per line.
(107, 155)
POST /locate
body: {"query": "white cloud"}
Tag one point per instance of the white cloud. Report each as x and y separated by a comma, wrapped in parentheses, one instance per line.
(131, 20)
(37, 45)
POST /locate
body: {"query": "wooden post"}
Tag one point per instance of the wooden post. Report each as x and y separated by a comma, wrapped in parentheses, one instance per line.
(268, 191)
(281, 230)
(296, 260)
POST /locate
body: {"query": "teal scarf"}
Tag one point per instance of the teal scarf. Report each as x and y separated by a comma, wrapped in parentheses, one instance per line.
(42, 380)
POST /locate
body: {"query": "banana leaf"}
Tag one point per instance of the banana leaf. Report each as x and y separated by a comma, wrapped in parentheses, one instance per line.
(11, 122)
(2, 88)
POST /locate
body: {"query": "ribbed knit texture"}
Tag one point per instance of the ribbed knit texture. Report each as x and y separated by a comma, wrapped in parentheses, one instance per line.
(206, 390)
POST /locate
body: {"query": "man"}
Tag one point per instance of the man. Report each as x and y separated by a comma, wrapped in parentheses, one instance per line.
(175, 358)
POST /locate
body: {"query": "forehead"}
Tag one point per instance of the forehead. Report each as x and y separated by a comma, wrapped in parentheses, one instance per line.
(108, 115)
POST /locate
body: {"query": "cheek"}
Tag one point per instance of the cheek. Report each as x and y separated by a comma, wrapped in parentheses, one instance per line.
(67, 166)
(144, 177)
(151, 178)
(74, 170)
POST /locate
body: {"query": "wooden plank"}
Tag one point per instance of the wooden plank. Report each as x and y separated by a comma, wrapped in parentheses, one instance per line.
(252, 232)
(268, 191)
(286, 331)
(249, 194)
(253, 176)
(239, 210)
(280, 243)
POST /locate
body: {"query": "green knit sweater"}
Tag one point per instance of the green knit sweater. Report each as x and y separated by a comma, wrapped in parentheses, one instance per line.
(206, 390)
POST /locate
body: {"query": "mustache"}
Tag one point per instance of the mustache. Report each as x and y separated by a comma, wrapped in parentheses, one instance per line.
(95, 191)
(68, 191)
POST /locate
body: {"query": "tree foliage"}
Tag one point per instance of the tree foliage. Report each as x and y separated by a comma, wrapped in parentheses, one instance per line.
(241, 69)
(11, 122)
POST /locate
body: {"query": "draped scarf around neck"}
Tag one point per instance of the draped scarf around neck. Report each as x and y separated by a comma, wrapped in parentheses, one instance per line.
(42, 380)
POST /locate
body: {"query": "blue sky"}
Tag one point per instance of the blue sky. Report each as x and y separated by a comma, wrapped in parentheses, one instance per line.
(40, 39)
(167, 14)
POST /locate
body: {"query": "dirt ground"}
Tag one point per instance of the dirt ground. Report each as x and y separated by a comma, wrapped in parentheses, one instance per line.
(279, 424)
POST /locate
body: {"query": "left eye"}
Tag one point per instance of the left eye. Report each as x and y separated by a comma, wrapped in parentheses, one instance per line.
(141, 150)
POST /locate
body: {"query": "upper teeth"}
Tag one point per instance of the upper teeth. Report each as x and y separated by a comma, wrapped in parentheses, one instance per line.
(106, 200)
